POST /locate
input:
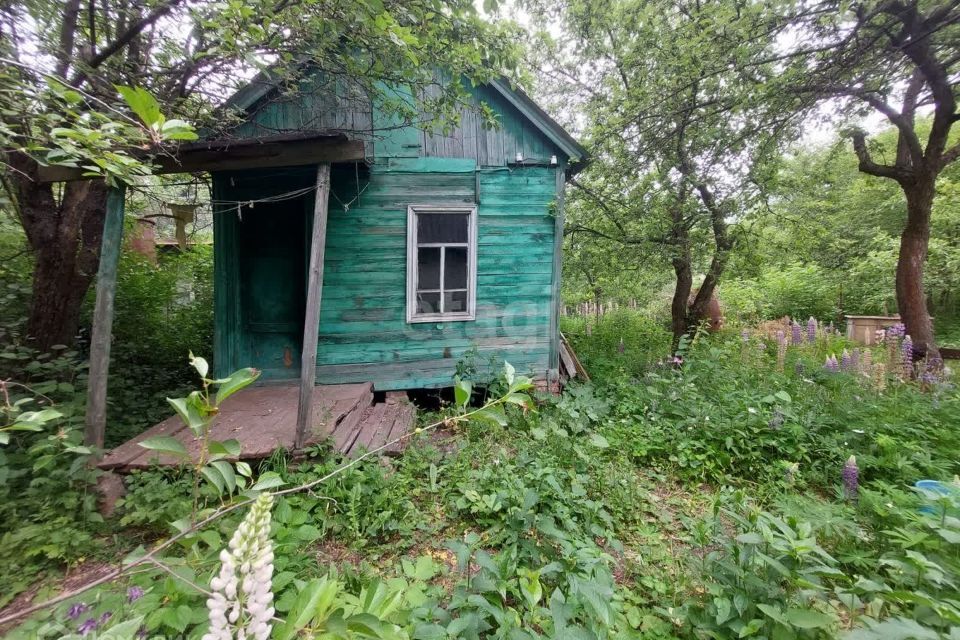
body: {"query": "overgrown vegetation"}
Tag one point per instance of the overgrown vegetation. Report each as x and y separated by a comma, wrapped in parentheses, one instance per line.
(708, 499)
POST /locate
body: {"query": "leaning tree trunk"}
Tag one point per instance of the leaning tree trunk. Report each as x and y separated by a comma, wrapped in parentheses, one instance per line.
(911, 298)
(65, 239)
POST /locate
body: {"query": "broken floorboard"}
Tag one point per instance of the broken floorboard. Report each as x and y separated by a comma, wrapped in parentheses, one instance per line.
(263, 419)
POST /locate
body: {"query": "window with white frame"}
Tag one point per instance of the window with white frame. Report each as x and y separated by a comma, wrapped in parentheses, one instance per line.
(441, 263)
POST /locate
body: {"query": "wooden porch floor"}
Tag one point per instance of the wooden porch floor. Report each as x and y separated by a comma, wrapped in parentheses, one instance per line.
(263, 419)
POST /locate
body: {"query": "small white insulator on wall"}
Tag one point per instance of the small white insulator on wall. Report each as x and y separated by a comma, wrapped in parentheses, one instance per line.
(519, 157)
(553, 160)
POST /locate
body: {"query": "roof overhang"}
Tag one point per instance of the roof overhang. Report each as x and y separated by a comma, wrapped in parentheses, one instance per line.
(549, 127)
(285, 150)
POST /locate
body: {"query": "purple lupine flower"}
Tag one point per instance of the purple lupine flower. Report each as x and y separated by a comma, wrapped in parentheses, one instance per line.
(851, 478)
(106, 615)
(855, 360)
(897, 331)
(76, 609)
(906, 354)
(87, 626)
(846, 361)
(879, 336)
(134, 594)
(621, 347)
(812, 329)
(796, 336)
(142, 632)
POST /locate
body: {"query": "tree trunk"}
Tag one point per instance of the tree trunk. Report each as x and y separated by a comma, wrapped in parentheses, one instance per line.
(911, 298)
(681, 296)
(65, 239)
(680, 237)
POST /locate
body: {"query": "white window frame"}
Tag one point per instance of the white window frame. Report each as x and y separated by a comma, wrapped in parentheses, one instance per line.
(413, 246)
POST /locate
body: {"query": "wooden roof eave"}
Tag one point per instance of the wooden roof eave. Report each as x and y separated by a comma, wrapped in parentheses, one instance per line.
(285, 150)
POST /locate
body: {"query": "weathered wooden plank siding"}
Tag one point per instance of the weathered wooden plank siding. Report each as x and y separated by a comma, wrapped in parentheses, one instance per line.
(340, 105)
(363, 330)
(364, 335)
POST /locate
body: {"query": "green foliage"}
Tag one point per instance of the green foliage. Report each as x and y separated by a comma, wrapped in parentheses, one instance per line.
(162, 311)
(769, 578)
(589, 517)
(794, 290)
(47, 508)
(643, 342)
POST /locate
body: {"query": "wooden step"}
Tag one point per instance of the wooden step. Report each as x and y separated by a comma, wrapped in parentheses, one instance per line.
(383, 423)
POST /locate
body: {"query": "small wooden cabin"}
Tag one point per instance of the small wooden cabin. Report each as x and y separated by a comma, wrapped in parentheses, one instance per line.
(356, 252)
(438, 246)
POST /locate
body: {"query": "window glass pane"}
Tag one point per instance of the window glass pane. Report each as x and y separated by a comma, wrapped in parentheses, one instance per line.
(442, 227)
(428, 302)
(455, 302)
(455, 268)
(428, 268)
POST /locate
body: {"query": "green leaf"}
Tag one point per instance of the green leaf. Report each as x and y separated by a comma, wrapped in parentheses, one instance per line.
(598, 441)
(519, 399)
(165, 444)
(177, 130)
(200, 364)
(313, 603)
(784, 396)
(268, 480)
(773, 613)
(750, 538)
(143, 104)
(491, 414)
(235, 382)
(226, 470)
(509, 372)
(125, 630)
(189, 413)
(4, 437)
(808, 619)
(226, 449)
(213, 475)
(462, 391)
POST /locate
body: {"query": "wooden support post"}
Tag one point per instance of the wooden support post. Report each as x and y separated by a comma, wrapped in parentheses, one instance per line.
(311, 319)
(553, 372)
(110, 245)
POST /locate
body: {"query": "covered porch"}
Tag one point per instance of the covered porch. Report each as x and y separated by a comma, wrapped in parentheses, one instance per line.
(272, 416)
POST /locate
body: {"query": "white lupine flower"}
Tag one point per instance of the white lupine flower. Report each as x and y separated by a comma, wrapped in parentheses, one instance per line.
(240, 606)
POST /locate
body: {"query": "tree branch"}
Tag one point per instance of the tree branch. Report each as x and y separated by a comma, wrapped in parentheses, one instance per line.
(123, 39)
(68, 32)
(868, 166)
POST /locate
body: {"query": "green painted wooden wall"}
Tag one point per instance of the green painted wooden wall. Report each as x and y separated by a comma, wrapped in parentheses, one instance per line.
(364, 335)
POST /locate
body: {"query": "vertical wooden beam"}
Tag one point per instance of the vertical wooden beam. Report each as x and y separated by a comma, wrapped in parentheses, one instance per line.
(311, 318)
(226, 280)
(110, 245)
(553, 374)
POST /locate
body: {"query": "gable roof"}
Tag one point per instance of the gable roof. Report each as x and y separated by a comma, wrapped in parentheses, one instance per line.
(541, 120)
(266, 81)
